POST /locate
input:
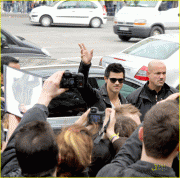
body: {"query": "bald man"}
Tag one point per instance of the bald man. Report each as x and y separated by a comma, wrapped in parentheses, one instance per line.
(154, 90)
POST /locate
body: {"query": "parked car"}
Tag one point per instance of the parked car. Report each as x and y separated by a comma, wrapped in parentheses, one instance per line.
(17, 46)
(141, 19)
(65, 109)
(90, 13)
(135, 59)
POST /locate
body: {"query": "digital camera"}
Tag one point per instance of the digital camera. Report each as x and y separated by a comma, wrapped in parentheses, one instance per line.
(96, 116)
(71, 80)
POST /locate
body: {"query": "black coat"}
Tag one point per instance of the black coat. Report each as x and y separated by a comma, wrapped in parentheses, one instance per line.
(94, 97)
(126, 162)
(144, 98)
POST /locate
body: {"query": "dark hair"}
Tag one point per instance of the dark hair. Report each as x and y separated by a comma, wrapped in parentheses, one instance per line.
(161, 129)
(5, 60)
(36, 149)
(114, 67)
(125, 126)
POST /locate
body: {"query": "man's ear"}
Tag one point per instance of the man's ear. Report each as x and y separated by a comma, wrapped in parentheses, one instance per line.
(105, 78)
(177, 147)
(59, 158)
(141, 134)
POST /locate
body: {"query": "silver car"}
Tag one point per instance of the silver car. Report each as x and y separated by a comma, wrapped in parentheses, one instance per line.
(67, 108)
(135, 59)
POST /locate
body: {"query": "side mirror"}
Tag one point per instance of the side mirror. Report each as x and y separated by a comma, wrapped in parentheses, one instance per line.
(21, 38)
(163, 6)
(3, 43)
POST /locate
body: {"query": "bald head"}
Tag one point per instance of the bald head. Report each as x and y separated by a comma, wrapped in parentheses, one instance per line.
(157, 75)
(154, 64)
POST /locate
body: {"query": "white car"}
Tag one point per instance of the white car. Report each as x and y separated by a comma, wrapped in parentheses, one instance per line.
(70, 12)
(135, 59)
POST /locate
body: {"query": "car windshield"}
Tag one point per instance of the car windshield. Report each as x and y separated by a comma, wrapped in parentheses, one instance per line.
(141, 3)
(153, 48)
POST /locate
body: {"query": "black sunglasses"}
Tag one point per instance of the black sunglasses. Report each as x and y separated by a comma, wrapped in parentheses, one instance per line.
(113, 80)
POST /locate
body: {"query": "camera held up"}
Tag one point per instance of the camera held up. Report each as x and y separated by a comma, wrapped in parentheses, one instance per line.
(96, 116)
(72, 80)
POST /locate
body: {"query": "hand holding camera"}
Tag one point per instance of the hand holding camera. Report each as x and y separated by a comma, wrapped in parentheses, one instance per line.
(71, 80)
(96, 116)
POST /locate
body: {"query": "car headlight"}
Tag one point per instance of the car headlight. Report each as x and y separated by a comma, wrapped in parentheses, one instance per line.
(45, 52)
(140, 22)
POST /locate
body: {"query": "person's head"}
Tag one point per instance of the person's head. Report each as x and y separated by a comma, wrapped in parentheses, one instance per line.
(114, 77)
(125, 126)
(75, 149)
(36, 149)
(160, 132)
(156, 73)
(128, 110)
(8, 61)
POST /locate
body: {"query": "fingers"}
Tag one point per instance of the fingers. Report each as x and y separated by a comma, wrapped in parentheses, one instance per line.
(83, 119)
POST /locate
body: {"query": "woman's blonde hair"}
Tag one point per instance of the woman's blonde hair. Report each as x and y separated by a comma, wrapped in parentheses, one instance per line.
(75, 148)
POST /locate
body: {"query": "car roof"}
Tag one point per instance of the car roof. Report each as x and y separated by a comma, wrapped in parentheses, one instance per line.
(95, 71)
(174, 37)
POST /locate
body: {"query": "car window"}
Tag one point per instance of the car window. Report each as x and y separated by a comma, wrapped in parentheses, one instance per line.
(67, 5)
(85, 4)
(153, 49)
(8, 40)
(141, 3)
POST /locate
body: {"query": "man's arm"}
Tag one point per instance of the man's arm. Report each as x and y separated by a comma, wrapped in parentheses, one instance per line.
(89, 95)
(128, 154)
(39, 112)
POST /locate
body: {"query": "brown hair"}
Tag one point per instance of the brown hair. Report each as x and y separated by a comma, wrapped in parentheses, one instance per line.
(126, 108)
(75, 148)
(125, 126)
(161, 129)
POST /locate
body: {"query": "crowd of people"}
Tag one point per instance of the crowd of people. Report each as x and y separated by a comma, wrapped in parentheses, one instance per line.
(139, 136)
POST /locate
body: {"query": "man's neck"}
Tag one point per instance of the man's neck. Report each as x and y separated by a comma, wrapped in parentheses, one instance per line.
(152, 87)
(113, 96)
(168, 161)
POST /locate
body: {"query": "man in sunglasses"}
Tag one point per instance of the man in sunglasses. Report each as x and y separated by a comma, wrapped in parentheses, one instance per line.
(109, 95)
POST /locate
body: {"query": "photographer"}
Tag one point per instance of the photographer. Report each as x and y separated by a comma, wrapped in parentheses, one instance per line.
(32, 150)
(142, 154)
(106, 147)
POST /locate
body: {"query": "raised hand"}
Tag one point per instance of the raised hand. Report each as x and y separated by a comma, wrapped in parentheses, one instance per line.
(86, 56)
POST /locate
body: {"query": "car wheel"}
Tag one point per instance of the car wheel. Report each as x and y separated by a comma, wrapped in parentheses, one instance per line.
(156, 31)
(95, 23)
(46, 21)
(124, 38)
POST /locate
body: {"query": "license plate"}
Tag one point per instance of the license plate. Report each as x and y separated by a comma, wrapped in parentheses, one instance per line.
(124, 28)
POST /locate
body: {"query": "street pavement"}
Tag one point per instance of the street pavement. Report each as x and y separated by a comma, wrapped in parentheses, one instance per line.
(62, 41)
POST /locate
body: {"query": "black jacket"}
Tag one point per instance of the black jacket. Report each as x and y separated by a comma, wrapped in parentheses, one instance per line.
(9, 162)
(129, 154)
(94, 97)
(144, 98)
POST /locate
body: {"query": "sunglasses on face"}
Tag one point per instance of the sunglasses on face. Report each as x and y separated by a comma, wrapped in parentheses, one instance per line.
(113, 80)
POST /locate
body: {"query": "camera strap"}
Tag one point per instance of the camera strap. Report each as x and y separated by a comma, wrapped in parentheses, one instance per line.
(103, 130)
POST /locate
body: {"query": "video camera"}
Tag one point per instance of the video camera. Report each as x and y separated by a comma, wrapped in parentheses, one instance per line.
(96, 116)
(71, 80)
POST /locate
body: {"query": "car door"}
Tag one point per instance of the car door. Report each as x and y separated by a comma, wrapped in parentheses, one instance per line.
(85, 11)
(170, 16)
(66, 12)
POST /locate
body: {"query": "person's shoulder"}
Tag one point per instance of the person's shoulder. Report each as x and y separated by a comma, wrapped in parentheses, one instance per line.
(134, 94)
(172, 89)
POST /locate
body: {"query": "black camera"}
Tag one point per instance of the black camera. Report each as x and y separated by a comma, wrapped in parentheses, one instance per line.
(71, 80)
(96, 116)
